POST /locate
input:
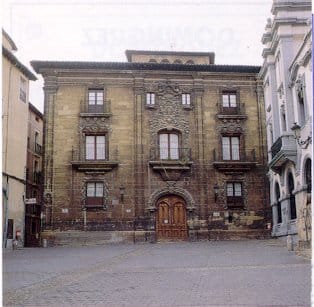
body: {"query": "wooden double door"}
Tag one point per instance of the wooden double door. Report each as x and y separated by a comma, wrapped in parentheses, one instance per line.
(171, 221)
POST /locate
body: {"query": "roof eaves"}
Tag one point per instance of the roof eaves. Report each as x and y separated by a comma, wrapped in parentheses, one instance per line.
(13, 59)
(8, 37)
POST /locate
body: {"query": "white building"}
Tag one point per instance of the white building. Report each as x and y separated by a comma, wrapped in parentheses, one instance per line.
(288, 88)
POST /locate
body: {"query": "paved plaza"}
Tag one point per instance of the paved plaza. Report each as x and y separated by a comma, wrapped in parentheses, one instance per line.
(177, 274)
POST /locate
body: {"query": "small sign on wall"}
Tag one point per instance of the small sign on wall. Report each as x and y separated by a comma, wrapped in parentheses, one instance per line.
(216, 214)
(65, 210)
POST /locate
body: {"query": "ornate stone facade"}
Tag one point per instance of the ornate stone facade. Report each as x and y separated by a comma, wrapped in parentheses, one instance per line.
(165, 136)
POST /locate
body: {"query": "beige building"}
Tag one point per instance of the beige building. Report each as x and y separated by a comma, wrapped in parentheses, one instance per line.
(15, 85)
(165, 146)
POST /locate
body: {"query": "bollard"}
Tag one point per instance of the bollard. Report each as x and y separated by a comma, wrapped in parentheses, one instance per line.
(289, 243)
(45, 243)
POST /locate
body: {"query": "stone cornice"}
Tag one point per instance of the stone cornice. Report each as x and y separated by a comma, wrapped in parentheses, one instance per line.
(44, 67)
(290, 6)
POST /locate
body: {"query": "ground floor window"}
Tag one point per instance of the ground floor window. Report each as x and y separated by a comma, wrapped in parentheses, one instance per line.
(94, 194)
(234, 194)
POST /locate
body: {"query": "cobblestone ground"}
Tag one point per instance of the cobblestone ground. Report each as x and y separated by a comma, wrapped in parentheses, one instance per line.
(178, 274)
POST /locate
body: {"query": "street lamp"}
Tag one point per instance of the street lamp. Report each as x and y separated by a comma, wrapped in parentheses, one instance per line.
(297, 135)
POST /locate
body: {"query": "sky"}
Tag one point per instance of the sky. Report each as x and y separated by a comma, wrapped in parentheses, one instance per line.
(90, 30)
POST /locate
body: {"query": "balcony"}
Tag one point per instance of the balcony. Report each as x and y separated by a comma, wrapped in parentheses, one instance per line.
(103, 110)
(283, 151)
(246, 162)
(38, 149)
(37, 177)
(170, 162)
(237, 112)
(79, 162)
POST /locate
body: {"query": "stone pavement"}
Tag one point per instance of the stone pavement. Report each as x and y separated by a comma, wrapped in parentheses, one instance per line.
(212, 273)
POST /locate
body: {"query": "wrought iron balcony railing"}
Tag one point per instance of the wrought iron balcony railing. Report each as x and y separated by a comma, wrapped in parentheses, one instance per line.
(247, 160)
(38, 149)
(244, 156)
(37, 177)
(238, 110)
(170, 154)
(79, 161)
(103, 109)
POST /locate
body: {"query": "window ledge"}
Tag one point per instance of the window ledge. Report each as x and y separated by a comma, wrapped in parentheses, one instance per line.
(150, 106)
(86, 114)
(94, 165)
(231, 116)
(187, 107)
(95, 207)
(234, 166)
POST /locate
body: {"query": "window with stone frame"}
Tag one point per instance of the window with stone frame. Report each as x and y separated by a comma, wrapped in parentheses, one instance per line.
(308, 175)
(278, 204)
(186, 99)
(229, 102)
(293, 209)
(301, 105)
(95, 100)
(23, 88)
(169, 148)
(231, 148)
(234, 194)
(95, 147)
(94, 194)
(150, 99)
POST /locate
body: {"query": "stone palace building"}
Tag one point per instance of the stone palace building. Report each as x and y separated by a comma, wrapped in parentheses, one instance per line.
(165, 146)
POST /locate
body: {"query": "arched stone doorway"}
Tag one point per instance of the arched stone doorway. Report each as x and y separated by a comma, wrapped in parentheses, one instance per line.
(171, 218)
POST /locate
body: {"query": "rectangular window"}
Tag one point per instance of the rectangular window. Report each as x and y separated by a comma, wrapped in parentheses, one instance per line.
(150, 98)
(22, 89)
(234, 194)
(186, 99)
(169, 146)
(95, 147)
(95, 101)
(231, 148)
(229, 99)
(94, 193)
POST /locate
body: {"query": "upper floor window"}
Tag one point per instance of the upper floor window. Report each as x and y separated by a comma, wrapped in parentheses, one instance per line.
(150, 99)
(165, 61)
(186, 99)
(152, 61)
(308, 175)
(301, 105)
(94, 194)
(95, 147)
(95, 100)
(22, 89)
(190, 62)
(234, 194)
(169, 146)
(229, 99)
(231, 148)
